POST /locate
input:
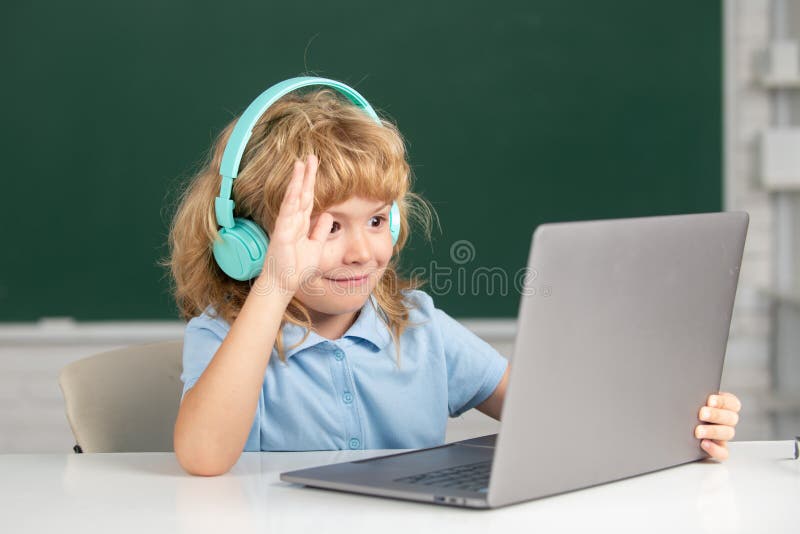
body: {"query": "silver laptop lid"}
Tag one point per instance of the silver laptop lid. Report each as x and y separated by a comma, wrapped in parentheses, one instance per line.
(621, 337)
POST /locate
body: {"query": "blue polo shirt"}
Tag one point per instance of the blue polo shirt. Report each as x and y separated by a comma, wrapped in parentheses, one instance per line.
(349, 393)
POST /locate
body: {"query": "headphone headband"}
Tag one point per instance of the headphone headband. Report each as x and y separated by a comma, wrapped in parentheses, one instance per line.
(234, 149)
(244, 126)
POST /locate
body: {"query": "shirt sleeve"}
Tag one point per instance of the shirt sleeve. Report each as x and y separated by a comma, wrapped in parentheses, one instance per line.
(474, 368)
(202, 338)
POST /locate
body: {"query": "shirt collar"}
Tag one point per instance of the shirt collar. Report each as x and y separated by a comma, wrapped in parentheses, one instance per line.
(368, 327)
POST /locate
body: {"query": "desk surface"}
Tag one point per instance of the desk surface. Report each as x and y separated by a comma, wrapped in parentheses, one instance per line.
(756, 490)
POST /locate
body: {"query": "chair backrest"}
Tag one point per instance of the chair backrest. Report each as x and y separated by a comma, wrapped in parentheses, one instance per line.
(124, 400)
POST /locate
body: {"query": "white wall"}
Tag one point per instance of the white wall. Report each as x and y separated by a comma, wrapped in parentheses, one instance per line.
(31, 407)
(32, 417)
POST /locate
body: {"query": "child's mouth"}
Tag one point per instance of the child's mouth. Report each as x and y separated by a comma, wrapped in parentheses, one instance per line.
(347, 282)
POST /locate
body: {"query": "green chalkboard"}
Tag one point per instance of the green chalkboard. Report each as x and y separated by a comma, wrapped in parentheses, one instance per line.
(515, 112)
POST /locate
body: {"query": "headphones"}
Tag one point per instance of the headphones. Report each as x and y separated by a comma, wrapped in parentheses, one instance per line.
(242, 244)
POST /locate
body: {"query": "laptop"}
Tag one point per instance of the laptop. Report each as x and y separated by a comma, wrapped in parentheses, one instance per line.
(622, 331)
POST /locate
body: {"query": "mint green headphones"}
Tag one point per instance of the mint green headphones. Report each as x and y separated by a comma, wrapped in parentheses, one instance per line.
(242, 244)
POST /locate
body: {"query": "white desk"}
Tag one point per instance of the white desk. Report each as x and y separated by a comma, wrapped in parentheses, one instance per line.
(756, 490)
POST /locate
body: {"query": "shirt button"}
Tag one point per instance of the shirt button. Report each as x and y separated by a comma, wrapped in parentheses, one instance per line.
(338, 354)
(354, 443)
(347, 398)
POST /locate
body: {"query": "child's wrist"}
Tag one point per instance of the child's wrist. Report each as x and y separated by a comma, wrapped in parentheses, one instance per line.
(267, 286)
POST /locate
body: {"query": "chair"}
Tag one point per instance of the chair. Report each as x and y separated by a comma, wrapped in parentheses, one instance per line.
(124, 400)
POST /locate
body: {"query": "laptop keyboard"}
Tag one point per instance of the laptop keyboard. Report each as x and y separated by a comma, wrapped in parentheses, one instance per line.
(469, 477)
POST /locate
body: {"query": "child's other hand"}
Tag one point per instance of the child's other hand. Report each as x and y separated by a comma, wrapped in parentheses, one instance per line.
(293, 255)
(723, 411)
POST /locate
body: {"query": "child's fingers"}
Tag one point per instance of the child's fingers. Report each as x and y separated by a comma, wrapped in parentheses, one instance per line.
(727, 401)
(289, 206)
(715, 449)
(307, 197)
(718, 416)
(722, 432)
(292, 194)
(322, 227)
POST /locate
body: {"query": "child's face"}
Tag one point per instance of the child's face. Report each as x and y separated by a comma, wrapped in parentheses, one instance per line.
(359, 244)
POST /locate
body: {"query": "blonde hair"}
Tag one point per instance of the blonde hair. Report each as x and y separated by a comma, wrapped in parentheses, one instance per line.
(357, 157)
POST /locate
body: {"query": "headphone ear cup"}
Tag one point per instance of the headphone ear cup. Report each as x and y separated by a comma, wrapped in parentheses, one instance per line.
(259, 237)
(240, 250)
(394, 222)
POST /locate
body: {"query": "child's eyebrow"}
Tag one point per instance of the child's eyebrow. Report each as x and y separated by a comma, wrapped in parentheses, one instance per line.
(346, 215)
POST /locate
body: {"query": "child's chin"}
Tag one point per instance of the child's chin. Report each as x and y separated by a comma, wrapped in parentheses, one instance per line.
(334, 300)
(347, 289)
(336, 296)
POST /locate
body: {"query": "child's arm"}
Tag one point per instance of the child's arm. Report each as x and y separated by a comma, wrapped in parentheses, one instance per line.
(493, 406)
(216, 414)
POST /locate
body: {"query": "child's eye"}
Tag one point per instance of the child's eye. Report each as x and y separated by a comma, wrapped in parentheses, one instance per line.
(380, 218)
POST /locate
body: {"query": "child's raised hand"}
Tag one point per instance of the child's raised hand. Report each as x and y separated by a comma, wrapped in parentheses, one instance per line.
(293, 255)
(723, 411)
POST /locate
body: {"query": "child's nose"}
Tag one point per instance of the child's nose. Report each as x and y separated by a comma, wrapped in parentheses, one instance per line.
(357, 248)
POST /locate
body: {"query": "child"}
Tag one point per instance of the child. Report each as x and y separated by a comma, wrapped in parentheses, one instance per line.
(327, 347)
